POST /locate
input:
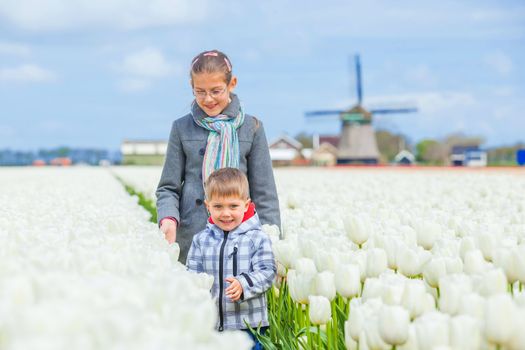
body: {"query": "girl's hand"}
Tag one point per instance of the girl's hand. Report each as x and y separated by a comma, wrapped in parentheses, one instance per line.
(234, 291)
(169, 228)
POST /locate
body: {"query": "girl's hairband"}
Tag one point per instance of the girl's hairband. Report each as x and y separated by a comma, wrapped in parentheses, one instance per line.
(214, 54)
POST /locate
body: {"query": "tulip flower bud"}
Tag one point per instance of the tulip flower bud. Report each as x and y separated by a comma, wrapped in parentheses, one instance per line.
(473, 305)
(393, 324)
(500, 319)
(465, 333)
(492, 282)
(434, 270)
(427, 234)
(376, 262)
(301, 286)
(305, 266)
(414, 298)
(320, 310)
(325, 285)
(358, 228)
(452, 288)
(285, 252)
(347, 280)
(474, 262)
(409, 262)
(432, 330)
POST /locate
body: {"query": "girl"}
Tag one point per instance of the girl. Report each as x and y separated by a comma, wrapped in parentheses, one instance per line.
(215, 134)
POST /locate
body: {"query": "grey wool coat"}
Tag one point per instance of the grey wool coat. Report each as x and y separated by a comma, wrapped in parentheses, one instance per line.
(180, 193)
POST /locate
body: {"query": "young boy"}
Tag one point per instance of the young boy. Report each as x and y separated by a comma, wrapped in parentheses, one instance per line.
(234, 249)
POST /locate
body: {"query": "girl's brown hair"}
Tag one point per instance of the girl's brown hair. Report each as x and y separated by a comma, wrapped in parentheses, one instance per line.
(211, 62)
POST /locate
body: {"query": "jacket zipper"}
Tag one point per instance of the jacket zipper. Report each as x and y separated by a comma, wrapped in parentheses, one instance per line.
(234, 261)
(221, 281)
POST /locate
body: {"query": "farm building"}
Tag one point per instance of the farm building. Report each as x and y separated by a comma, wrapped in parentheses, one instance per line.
(404, 158)
(468, 156)
(286, 150)
(143, 152)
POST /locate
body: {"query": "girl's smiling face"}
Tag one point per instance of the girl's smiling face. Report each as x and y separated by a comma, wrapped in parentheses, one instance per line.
(211, 91)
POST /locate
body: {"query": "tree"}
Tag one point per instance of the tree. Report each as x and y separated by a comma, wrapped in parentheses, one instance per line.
(305, 139)
(390, 144)
(431, 151)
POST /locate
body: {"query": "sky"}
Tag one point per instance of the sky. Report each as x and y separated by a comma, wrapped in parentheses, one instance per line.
(91, 73)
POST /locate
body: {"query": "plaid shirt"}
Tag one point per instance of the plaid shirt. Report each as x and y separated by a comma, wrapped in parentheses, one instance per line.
(247, 255)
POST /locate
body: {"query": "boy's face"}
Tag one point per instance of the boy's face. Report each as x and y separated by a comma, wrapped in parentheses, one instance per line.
(211, 91)
(227, 212)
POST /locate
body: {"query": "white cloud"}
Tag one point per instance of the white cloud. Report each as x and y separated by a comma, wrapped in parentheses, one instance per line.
(8, 48)
(500, 62)
(27, 73)
(148, 63)
(134, 85)
(38, 15)
(422, 75)
(142, 68)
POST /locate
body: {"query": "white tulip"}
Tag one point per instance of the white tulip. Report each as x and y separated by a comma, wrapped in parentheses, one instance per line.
(358, 228)
(325, 285)
(465, 333)
(517, 340)
(285, 252)
(500, 319)
(376, 262)
(433, 270)
(347, 280)
(409, 261)
(320, 311)
(371, 329)
(414, 298)
(305, 266)
(372, 289)
(452, 288)
(350, 343)
(488, 243)
(467, 244)
(301, 285)
(508, 261)
(393, 324)
(324, 260)
(356, 318)
(454, 265)
(492, 282)
(473, 305)
(474, 262)
(427, 234)
(432, 330)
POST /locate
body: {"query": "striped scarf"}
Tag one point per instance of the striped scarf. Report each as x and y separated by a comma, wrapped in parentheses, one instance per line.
(222, 149)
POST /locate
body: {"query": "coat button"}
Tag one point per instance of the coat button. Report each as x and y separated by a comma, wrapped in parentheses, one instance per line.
(198, 201)
(202, 151)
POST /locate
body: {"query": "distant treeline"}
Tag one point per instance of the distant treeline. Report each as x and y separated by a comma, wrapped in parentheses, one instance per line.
(75, 155)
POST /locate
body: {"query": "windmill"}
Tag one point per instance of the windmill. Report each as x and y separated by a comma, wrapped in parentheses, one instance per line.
(357, 141)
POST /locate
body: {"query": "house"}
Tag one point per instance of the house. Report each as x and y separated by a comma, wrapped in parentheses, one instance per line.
(468, 156)
(404, 158)
(143, 152)
(325, 155)
(286, 150)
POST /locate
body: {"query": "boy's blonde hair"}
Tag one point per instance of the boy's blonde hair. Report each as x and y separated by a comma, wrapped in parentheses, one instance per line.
(227, 182)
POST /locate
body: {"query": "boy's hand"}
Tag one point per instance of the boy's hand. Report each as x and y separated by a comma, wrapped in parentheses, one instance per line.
(234, 291)
(169, 228)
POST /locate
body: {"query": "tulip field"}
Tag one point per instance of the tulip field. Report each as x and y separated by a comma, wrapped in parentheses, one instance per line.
(368, 258)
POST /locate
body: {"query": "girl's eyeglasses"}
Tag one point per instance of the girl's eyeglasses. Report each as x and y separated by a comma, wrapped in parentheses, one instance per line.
(213, 93)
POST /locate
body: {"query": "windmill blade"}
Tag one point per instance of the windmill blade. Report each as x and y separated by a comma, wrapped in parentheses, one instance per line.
(359, 87)
(323, 113)
(393, 110)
